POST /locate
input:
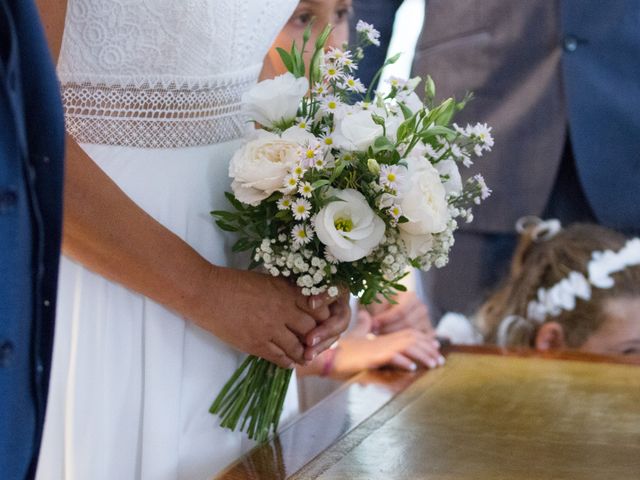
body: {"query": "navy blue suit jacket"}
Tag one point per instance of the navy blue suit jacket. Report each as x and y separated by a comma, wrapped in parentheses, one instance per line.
(31, 156)
(538, 68)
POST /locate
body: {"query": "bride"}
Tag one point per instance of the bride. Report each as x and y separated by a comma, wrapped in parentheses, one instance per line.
(151, 314)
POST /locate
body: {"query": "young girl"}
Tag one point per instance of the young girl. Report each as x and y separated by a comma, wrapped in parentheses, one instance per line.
(577, 288)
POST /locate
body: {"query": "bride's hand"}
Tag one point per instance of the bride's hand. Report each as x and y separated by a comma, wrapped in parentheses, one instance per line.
(266, 316)
(327, 332)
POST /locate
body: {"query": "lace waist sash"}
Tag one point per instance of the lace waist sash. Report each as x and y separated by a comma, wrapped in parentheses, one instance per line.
(155, 116)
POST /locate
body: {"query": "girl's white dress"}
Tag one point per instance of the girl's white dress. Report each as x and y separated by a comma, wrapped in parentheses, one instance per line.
(152, 93)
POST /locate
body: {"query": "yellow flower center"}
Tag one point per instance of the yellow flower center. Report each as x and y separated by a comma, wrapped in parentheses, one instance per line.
(328, 141)
(343, 224)
(302, 233)
(332, 105)
(310, 153)
(391, 177)
(301, 209)
(292, 182)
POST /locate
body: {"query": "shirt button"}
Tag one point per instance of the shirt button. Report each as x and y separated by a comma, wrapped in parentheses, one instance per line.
(8, 200)
(46, 303)
(6, 352)
(570, 43)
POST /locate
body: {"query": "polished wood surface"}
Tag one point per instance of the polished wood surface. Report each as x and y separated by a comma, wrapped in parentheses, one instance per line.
(483, 416)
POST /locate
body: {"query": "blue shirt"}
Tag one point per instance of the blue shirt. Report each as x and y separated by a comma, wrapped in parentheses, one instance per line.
(31, 174)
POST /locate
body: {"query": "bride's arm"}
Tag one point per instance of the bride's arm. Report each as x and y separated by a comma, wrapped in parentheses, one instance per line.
(107, 232)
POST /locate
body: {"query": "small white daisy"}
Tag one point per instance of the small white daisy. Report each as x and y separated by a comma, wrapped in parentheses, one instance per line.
(301, 234)
(368, 32)
(330, 104)
(395, 211)
(326, 139)
(331, 71)
(353, 84)
(319, 89)
(301, 209)
(305, 189)
(284, 203)
(290, 182)
(389, 176)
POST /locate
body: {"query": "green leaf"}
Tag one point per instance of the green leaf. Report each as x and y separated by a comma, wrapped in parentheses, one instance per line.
(368, 296)
(429, 133)
(226, 227)
(445, 112)
(392, 59)
(286, 59)
(399, 287)
(237, 204)
(243, 244)
(222, 214)
(320, 183)
(382, 144)
(406, 111)
(337, 171)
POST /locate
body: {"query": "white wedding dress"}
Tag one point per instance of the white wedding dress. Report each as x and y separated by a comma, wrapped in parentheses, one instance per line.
(152, 93)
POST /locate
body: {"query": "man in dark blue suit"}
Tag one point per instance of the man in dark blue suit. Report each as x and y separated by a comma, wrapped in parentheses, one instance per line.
(559, 81)
(31, 175)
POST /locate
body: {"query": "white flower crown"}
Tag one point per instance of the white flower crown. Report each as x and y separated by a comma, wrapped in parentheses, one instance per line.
(563, 295)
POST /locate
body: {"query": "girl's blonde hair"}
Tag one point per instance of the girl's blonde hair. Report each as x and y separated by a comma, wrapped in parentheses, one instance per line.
(539, 263)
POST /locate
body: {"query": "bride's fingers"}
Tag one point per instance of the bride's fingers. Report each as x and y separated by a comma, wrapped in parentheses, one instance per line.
(301, 324)
(333, 327)
(290, 344)
(311, 352)
(320, 310)
(276, 355)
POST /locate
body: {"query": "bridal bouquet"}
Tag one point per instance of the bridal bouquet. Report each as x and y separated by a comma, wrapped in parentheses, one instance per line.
(341, 187)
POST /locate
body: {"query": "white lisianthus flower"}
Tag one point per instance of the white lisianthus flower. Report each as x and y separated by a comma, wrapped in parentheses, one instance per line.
(260, 167)
(349, 227)
(423, 202)
(275, 100)
(454, 183)
(356, 131)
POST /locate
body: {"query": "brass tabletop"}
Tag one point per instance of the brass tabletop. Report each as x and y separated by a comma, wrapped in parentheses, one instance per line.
(482, 416)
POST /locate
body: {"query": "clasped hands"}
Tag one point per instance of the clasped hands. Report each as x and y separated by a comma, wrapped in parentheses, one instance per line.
(269, 317)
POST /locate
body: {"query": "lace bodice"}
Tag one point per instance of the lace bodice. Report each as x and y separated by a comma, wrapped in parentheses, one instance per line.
(163, 73)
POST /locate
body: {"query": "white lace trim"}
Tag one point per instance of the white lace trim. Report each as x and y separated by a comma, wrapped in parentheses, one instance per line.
(160, 115)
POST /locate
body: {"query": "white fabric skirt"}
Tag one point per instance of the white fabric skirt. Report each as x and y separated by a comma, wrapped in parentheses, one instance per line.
(131, 381)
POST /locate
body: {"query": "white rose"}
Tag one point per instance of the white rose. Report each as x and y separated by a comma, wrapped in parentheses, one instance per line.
(416, 245)
(258, 169)
(423, 202)
(450, 168)
(349, 228)
(275, 100)
(356, 131)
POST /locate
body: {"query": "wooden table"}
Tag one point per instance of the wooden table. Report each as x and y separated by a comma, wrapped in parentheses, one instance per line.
(488, 414)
